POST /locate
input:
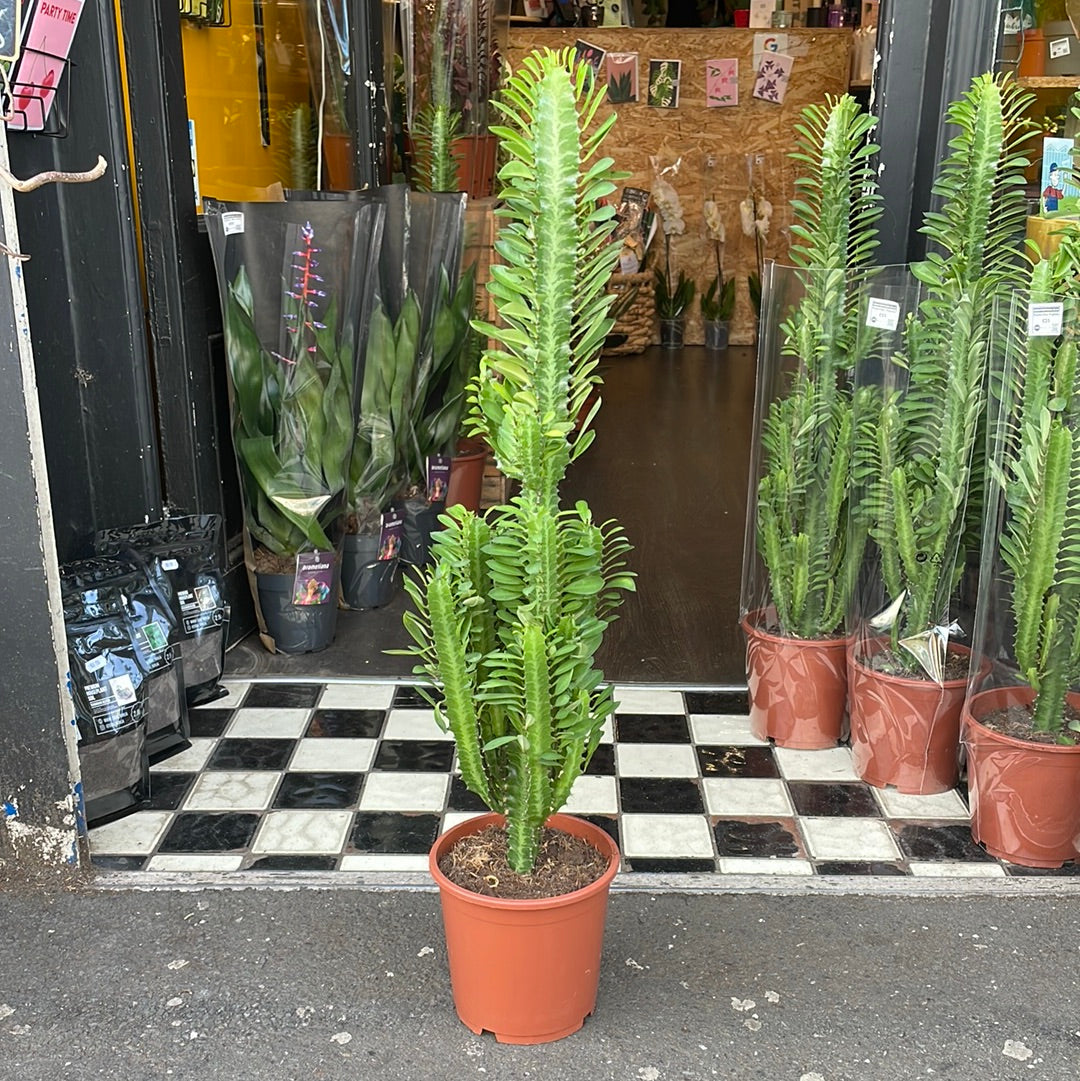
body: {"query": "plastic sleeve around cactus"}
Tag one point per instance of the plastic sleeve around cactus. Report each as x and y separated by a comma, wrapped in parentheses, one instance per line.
(815, 334)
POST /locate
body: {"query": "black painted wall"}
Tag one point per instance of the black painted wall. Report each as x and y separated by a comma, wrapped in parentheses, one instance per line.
(86, 306)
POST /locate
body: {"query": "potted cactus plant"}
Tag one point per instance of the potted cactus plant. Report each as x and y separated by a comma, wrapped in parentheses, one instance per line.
(922, 474)
(798, 568)
(1021, 723)
(509, 618)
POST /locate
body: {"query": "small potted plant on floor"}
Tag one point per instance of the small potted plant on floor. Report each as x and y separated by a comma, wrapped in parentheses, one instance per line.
(797, 564)
(1022, 719)
(673, 296)
(509, 618)
(907, 680)
(718, 300)
(295, 281)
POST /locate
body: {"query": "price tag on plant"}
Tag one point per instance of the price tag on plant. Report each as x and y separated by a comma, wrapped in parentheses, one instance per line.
(1059, 47)
(313, 582)
(1045, 320)
(882, 314)
(232, 221)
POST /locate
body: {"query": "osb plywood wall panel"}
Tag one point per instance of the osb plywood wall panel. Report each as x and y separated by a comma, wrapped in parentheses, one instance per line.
(695, 134)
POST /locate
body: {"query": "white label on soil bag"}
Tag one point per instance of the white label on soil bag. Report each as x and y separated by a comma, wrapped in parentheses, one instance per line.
(1059, 47)
(883, 314)
(232, 221)
(95, 664)
(169, 564)
(1045, 320)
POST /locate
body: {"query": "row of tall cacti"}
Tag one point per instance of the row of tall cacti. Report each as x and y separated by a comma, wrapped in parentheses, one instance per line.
(901, 471)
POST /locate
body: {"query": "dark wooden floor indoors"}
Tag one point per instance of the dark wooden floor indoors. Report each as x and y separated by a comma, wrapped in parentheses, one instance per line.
(670, 462)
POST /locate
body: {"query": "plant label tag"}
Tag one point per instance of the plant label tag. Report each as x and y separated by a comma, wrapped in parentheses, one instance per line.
(393, 526)
(1045, 320)
(438, 477)
(314, 579)
(882, 314)
(1059, 47)
(232, 221)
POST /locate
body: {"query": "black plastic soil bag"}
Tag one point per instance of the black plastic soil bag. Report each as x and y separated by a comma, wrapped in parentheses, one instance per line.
(182, 558)
(155, 636)
(109, 689)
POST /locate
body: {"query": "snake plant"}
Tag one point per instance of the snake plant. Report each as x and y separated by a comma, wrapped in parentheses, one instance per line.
(807, 432)
(1039, 477)
(511, 615)
(292, 415)
(924, 460)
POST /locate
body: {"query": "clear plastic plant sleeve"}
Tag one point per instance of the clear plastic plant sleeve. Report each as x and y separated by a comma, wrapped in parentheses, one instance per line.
(295, 283)
(1021, 720)
(402, 387)
(798, 571)
(914, 523)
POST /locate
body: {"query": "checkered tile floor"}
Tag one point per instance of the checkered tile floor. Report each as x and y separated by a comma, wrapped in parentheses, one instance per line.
(358, 777)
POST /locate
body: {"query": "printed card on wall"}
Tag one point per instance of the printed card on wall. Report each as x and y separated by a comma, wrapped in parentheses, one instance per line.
(622, 77)
(773, 77)
(721, 83)
(664, 76)
(593, 55)
(1057, 188)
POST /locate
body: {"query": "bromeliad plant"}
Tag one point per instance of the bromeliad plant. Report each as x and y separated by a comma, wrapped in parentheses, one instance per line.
(292, 408)
(923, 462)
(807, 434)
(1039, 478)
(510, 617)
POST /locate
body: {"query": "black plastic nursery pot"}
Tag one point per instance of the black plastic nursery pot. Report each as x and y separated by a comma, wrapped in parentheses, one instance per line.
(296, 628)
(419, 521)
(366, 580)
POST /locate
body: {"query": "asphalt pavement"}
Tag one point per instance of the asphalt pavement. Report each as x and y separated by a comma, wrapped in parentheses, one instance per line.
(292, 984)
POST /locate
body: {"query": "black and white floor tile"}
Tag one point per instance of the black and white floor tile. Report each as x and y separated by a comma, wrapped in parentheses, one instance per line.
(358, 777)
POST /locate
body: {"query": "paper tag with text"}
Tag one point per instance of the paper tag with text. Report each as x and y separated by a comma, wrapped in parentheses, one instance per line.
(1045, 320)
(883, 314)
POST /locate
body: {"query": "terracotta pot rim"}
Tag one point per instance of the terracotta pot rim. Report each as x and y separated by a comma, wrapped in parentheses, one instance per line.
(832, 642)
(950, 684)
(1011, 741)
(595, 835)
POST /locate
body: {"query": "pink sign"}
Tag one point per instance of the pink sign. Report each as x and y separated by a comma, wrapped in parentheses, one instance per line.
(721, 83)
(44, 55)
(772, 77)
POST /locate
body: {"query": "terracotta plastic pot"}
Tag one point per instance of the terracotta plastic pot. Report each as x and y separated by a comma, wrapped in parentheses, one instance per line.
(525, 970)
(467, 478)
(905, 732)
(1024, 797)
(798, 688)
(476, 164)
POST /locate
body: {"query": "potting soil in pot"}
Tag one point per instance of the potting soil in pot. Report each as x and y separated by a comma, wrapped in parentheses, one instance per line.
(181, 556)
(109, 689)
(564, 863)
(153, 635)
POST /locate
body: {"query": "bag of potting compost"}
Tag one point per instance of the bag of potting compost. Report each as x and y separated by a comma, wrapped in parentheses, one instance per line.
(182, 559)
(154, 635)
(109, 689)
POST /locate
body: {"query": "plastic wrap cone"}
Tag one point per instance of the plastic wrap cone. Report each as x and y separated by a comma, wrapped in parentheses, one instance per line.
(1024, 797)
(525, 970)
(798, 688)
(905, 732)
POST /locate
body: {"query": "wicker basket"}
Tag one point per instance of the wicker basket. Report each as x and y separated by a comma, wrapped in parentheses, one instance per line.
(634, 328)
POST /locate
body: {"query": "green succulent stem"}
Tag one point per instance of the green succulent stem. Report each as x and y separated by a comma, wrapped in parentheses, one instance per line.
(808, 431)
(509, 619)
(926, 469)
(1039, 478)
